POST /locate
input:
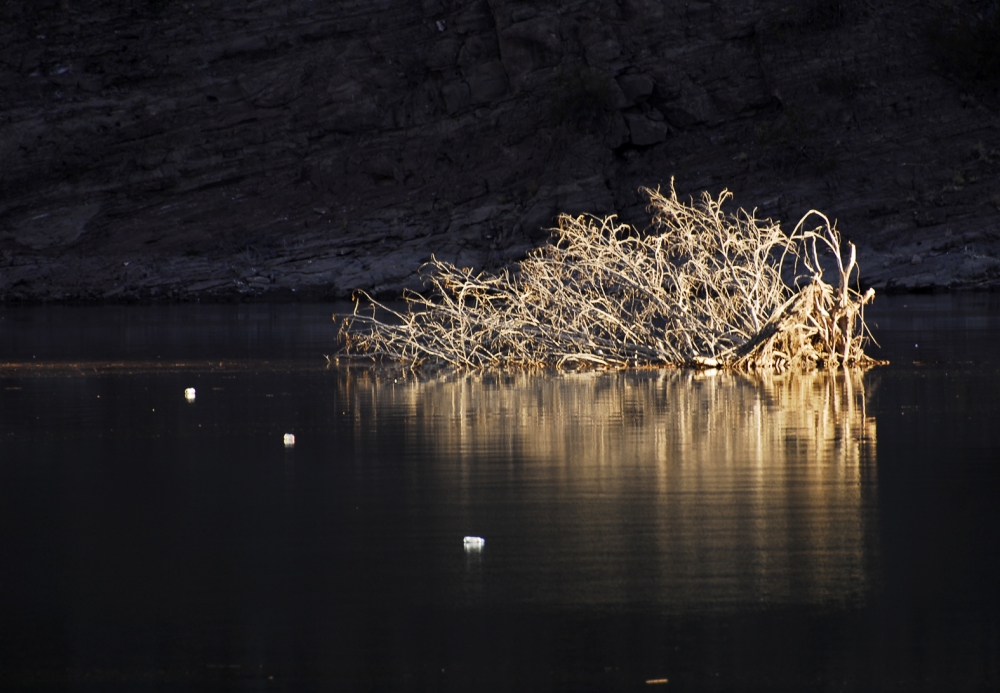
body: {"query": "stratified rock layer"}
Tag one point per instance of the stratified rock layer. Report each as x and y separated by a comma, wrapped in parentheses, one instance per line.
(156, 148)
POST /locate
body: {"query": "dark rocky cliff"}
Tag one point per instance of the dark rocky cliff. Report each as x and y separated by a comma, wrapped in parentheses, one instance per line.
(159, 148)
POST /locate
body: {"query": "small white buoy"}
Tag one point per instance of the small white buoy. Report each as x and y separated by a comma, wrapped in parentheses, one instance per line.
(189, 394)
(474, 543)
(289, 440)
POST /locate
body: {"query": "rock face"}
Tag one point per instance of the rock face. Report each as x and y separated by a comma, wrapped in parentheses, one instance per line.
(159, 148)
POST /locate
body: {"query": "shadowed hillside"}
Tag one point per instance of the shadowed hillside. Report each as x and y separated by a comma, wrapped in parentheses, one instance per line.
(168, 149)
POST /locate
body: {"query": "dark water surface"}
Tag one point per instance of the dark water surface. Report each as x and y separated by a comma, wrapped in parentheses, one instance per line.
(805, 533)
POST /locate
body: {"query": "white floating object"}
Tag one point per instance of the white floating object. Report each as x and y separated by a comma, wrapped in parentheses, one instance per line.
(189, 394)
(474, 543)
(289, 440)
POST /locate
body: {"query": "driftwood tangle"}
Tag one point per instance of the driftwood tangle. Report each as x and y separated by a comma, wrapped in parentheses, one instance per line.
(702, 288)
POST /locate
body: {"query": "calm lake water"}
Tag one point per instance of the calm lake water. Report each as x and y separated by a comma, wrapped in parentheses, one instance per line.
(824, 532)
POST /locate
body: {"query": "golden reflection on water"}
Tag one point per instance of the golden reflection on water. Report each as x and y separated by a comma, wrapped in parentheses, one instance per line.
(730, 488)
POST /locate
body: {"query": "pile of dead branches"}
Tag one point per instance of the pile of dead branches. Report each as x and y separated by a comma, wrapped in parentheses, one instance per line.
(701, 288)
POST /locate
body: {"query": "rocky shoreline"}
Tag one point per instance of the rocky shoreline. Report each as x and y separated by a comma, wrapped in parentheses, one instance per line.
(287, 149)
(319, 271)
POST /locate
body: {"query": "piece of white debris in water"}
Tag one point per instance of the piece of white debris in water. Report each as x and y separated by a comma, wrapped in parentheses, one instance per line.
(289, 440)
(189, 394)
(440, 25)
(475, 543)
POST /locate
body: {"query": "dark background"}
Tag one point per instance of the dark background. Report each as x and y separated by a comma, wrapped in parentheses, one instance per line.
(161, 148)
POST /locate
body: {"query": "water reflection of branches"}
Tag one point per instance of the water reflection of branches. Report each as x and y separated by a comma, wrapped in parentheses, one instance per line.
(777, 471)
(716, 413)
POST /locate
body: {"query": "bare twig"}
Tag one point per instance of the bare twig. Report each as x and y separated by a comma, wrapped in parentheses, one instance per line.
(704, 289)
